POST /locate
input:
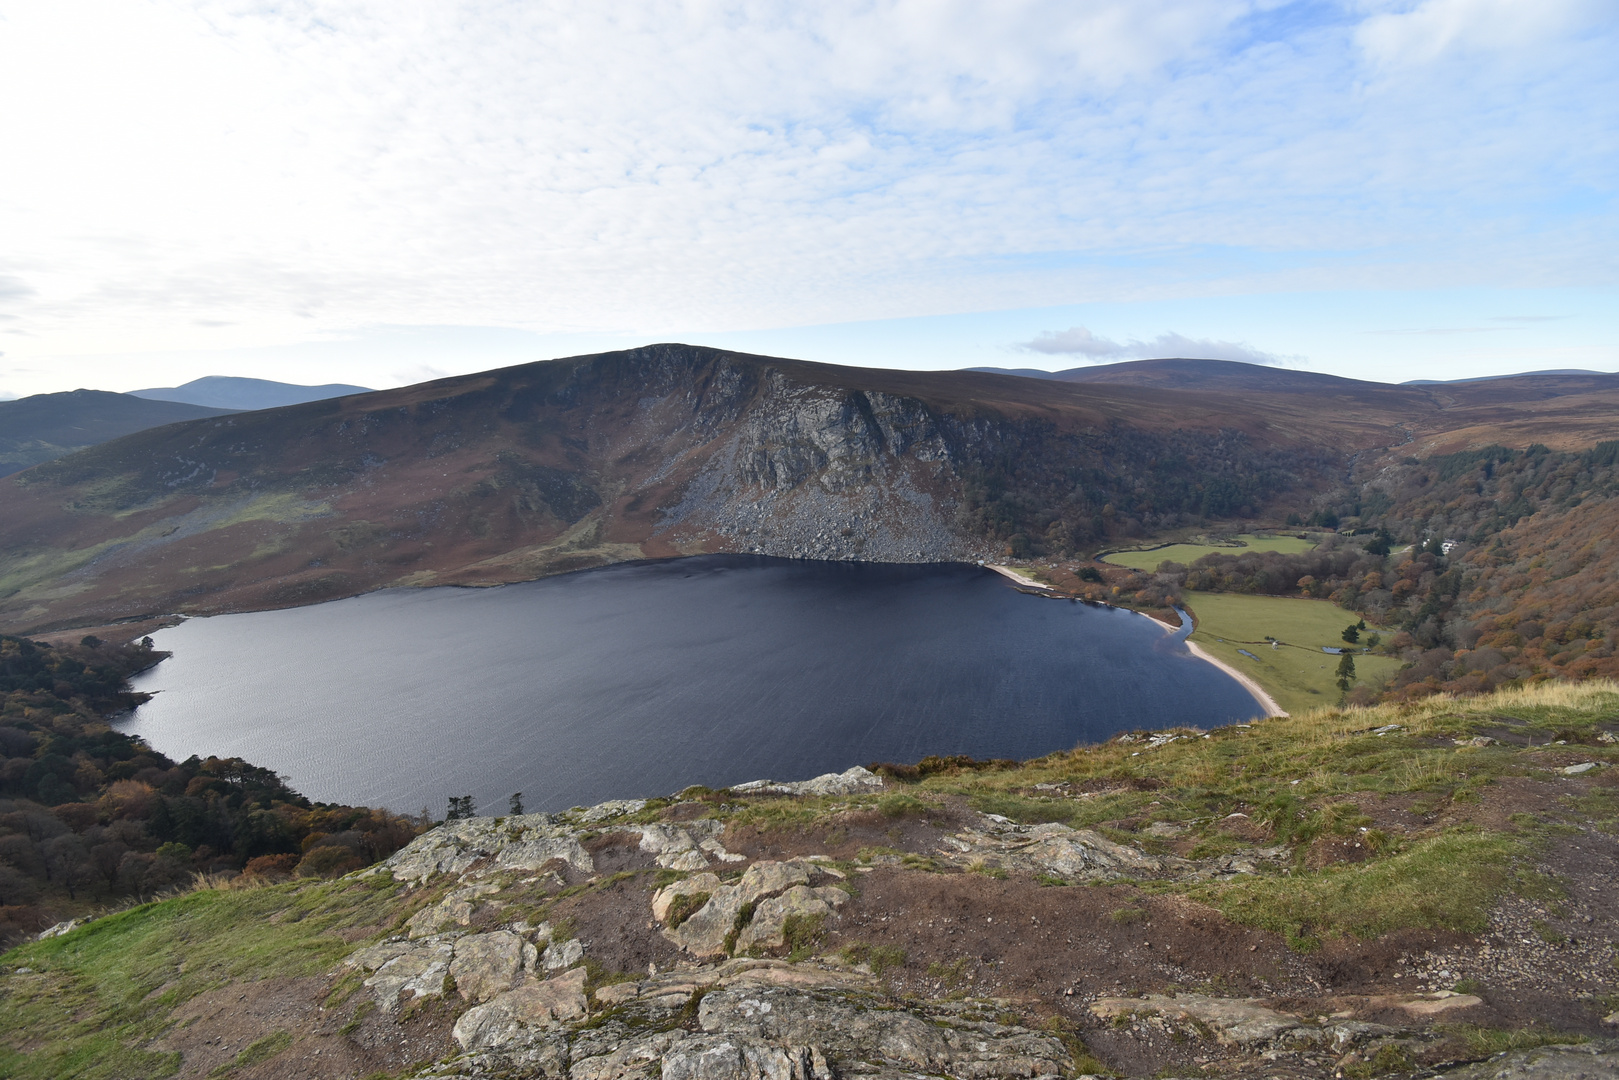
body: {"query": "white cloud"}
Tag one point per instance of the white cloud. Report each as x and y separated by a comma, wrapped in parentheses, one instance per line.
(1079, 341)
(230, 174)
(1423, 32)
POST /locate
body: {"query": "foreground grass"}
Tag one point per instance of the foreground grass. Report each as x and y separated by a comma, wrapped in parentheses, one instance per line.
(95, 999)
(1313, 777)
(1187, 553)
(1298, 678)
(1445, 882)
(97, 995)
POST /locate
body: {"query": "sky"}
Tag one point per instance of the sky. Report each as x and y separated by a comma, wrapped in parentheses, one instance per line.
(385, 192)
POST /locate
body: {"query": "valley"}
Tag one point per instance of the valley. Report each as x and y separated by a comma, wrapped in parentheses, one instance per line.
(1404, 876)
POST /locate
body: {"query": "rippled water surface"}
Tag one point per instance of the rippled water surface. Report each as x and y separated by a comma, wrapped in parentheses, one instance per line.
(641, 679)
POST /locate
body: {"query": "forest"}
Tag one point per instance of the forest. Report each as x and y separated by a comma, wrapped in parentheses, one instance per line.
(1529, 590)
(1040, 492)
(90, 815)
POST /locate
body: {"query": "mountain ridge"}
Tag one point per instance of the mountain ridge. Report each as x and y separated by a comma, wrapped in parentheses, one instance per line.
(46, 426)
(238, 393)
(671, 449)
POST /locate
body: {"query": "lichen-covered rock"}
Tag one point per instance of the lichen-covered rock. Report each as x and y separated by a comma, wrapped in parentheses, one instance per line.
(768, 927)
(1234, 1021)
(674, 989)
(1591, 1061)
(1076, 854)
(731, 1057)
(454, 910)
(850, 782)
(523, 842)
(487, 964)
(623, 1059)
(534, 853)
(696, 885)
(758, 1020)
(683, 847)
(562, 954)
(510, 1016)
(849, 1031)
(705, 932)
(417, 968)
(611, 809)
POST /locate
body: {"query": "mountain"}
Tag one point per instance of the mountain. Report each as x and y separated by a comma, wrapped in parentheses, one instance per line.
(1483, 378)
(653, 452)
(1192, 374)
(230, 392)
(45, 426)
(672, 449)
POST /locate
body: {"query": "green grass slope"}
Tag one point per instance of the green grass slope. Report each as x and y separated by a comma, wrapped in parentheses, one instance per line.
(1296, 673)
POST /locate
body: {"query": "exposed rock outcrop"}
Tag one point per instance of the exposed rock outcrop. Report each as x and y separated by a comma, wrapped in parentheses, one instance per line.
(755, 1019)
(1083, 855)
(852, 782)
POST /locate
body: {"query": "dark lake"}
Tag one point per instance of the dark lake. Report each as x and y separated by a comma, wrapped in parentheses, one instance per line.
(641, 679)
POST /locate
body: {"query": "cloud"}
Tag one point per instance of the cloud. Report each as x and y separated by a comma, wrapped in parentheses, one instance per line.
(1442, 331)
(1429, 29)
(1079, 341)
(293, 169)
(1527, 318)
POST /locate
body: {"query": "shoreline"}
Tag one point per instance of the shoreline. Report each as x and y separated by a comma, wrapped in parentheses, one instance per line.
(1018, 576)
(1248, 682)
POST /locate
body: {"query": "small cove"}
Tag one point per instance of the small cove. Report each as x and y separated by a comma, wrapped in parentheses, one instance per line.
(640, 679)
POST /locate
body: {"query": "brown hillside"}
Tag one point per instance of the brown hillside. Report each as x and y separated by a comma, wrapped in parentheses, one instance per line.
(654, 452)
(671, 449)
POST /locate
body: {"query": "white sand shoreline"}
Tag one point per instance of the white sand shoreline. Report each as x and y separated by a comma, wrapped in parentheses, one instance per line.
(1017, 576)
(1266, 702)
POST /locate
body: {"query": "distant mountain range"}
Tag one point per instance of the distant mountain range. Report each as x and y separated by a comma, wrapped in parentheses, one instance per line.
(672, 449)
(1521, 374)
(230, 392)
(1187, 372)
(46, 426)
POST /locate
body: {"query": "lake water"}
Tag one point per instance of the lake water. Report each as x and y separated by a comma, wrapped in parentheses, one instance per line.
(640, 679)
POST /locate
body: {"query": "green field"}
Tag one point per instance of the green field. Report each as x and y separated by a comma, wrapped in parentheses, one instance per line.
(1185, 553)
(1298, 678)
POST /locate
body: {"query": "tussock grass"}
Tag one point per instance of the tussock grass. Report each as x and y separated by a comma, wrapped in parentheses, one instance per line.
(1304, 777)
(1447, 882)
(104, 990)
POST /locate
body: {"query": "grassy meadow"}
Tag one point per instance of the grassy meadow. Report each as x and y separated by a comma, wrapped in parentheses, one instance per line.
(1298, 678)
(1186, 553)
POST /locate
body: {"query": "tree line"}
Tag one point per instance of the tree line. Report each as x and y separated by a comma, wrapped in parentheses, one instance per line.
(90, 815)
(1529, 590)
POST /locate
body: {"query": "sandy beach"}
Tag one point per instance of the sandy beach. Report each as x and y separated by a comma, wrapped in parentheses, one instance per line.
(1266, 702)
(1018, 576)
(1264, 699)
